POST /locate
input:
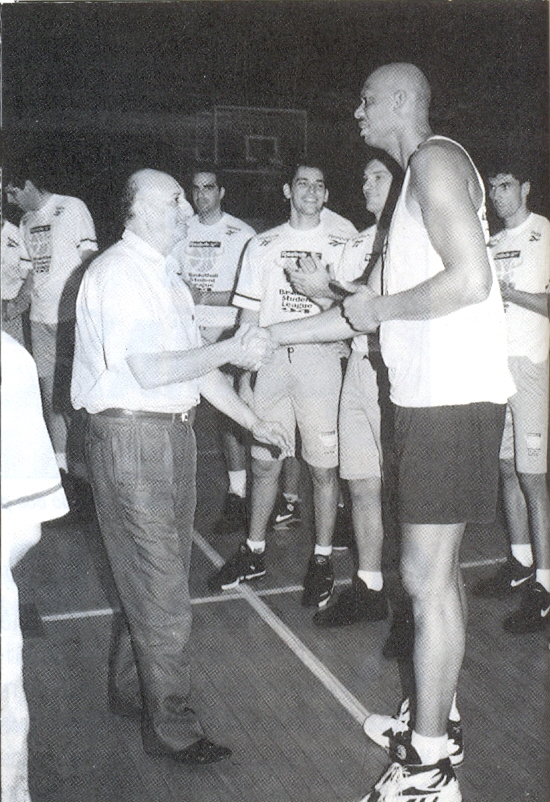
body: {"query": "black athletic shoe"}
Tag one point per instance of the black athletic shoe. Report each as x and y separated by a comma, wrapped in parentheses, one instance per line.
(343, 530)
(234, 516)
(534, 612)
(244, 565)
(354, 604)
(510, 577)
(400, 641)
(285, 514)
(318, 581)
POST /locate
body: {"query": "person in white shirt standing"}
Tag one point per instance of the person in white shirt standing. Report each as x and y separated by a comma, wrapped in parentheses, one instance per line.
(299, 386)
(139, 371)
(521, 251)
(59, 236)
(208, 260)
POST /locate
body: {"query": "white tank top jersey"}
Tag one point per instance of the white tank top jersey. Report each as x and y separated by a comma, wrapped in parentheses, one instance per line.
(459, 358)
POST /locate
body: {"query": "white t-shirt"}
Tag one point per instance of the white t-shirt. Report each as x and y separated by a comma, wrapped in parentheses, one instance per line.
(129, 303)
(31, 484)
(355, 258)
(209, 256)
(262, 284)
(522, 257)
(14, 260)
(56, 236)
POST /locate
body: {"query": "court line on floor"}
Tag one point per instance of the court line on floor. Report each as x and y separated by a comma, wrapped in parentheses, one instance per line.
(305, 655)
(79, 614)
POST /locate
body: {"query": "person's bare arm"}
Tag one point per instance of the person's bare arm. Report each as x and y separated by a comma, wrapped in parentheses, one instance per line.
(534, 301)
(157, 369)
(441, 182)
(216, 389)
(328, 327)
(214, 298)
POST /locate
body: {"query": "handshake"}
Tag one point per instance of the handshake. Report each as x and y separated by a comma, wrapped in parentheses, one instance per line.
(252, 347)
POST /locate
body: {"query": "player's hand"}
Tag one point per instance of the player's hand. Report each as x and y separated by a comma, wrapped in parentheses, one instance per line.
(274, 434)
(360, 310)
(310, 278)
(253, 347)
(506, 289)
(246, 393)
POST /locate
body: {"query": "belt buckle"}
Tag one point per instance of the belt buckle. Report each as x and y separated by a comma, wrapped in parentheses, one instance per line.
(184, 417)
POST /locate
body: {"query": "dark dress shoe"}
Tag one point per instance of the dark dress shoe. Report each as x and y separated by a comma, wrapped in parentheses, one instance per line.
(199, 753)
(202, 752)
(124, 707)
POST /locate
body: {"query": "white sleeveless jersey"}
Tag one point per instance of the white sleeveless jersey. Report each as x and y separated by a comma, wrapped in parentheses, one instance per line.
(459, 358)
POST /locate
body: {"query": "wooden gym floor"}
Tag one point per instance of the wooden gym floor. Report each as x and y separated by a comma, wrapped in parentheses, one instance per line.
(287, 697)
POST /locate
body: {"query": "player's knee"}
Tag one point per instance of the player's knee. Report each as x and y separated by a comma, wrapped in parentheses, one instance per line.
(533, 484)
(264, 468)
(323, 477)
(507, 469)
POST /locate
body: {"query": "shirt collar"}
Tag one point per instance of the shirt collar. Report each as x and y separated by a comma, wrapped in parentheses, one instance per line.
(146, 250)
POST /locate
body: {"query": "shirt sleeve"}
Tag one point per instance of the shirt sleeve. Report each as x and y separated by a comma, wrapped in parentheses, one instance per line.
(248, 293)
(84, 229)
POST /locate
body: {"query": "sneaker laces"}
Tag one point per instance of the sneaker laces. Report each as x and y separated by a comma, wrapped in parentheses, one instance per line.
(391, 782)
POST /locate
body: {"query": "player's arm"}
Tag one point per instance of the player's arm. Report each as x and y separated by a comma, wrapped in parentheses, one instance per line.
(215, 298)
(534, 301)
(169, 367)
(215, 388)
(328, 327)
(440, 183)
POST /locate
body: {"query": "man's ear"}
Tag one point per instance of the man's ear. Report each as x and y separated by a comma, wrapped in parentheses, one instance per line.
(286, 191)
(525, 190)
(222, 193)
(399, 99)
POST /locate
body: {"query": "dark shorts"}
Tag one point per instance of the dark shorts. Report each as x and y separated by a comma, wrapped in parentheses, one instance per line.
(448, 463)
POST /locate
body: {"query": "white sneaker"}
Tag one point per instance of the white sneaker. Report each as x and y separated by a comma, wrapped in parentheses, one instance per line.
(417, 783)
(381, 728)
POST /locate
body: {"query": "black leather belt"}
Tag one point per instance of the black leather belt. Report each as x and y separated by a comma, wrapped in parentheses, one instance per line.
(172, 417)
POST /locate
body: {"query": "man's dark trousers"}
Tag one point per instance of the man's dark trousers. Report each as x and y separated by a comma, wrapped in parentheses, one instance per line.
(143, 473)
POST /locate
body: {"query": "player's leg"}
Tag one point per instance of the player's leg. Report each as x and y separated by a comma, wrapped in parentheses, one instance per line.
(360, 464)
(271, 403)
(44, 345)
(531, 441)
(431, 575)
(317, 380)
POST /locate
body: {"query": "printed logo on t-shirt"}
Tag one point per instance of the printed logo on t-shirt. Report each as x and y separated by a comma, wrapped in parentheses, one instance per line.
(293, 302)
(535, 236)
(40, 248)
(232, 230)
(58, 211)
(202, 260)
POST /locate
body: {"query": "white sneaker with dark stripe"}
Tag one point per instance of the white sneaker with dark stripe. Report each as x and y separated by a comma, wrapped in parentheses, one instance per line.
(408, 779)
(381, 728)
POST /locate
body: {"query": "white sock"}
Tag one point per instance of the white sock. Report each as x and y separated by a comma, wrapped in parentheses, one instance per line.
(542, 576)
(257, 546)
(523, 553)
(292, 498)
(61, 459)
(430, 750)
(372, 579)
(454, 715)
(237, 483)
(326, 551)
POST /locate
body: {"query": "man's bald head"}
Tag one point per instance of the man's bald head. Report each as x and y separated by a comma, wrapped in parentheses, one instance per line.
(403, 77)
(154, 207)
(394, 109)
